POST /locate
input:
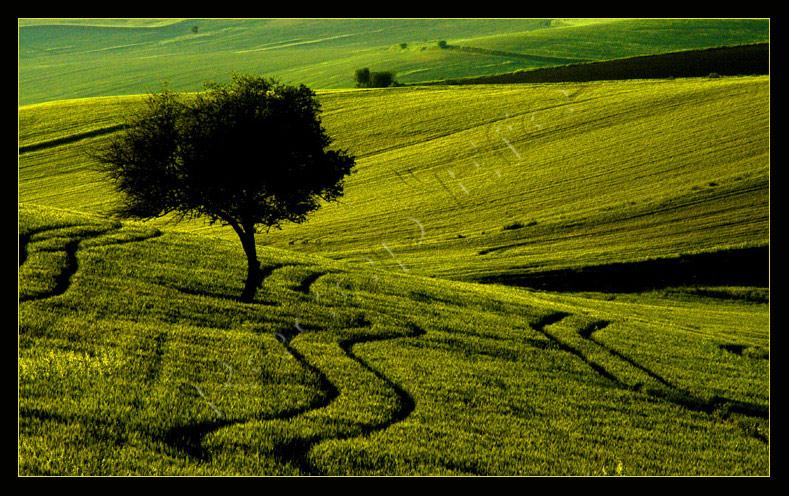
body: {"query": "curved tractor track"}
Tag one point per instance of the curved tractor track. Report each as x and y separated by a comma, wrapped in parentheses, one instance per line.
(189, 439)
(717, 406)
(71, 265)
(296, 452)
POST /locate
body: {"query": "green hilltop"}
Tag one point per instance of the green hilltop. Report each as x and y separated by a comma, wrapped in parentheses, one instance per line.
(83, 58)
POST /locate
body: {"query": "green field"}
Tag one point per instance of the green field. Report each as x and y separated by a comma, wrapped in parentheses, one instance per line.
(83, 58)
(129, 364)
(400, 330)
(592, 173)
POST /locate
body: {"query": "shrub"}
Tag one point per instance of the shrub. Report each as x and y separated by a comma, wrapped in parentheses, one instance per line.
(513, 225)
(519, 225)
(381, 79)
(362, 77)
(442, 44)
(366, 79)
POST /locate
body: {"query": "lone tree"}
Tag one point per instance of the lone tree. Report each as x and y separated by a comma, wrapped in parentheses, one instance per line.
(246, 154)
(362, 77)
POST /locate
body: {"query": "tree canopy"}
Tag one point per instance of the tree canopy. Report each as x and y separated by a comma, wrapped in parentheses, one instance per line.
(248, 153)
(366, 79)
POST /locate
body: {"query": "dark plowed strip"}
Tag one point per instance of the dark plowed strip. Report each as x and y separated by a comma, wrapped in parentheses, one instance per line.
(70, 139)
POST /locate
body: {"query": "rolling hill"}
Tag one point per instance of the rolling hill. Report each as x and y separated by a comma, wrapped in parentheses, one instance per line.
(521, 279)
(130, 364)
(494, 181)
(61, 59)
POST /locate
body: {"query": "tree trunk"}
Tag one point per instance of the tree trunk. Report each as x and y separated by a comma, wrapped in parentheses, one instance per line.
(247, 236)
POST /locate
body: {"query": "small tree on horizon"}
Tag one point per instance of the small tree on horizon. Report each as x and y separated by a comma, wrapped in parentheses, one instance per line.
(245, 154)
(362, 77)
(382, 79)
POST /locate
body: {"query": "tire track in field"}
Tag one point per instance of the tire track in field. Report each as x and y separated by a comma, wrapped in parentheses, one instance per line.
(307, 282)
(555, 318)
(63, 278)
(297, 451)
(24, 239)
(189, 439)
(716, 406)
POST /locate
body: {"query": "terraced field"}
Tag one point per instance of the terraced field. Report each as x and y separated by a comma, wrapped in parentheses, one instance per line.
(130, 364)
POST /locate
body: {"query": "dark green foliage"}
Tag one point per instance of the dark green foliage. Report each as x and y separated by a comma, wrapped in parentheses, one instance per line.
(442, 44)
(381, 79)
(362, 77)
(366, 79)
(252, 152)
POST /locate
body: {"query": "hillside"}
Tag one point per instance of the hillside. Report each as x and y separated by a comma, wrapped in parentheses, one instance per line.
(484, 182)
(607, 39)
(61, 59)
(522, 278)
(739, 60)
(135, 358)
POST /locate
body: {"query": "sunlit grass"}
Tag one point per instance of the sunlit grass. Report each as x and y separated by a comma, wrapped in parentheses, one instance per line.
(147, 364)
(594, 173)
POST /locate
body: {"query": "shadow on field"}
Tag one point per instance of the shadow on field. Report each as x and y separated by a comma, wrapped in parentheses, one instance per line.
(738, 267)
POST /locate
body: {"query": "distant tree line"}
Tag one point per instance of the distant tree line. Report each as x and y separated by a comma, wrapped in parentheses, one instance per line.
(366, 79)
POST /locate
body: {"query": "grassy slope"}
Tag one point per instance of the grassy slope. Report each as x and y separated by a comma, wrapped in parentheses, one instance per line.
(77, 60)
(595, 173)
(130, 364)
(619, 38)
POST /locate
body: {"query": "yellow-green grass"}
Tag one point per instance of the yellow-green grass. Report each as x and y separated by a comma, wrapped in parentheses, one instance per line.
(473, 182)
(138, 359)
(100, 58)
